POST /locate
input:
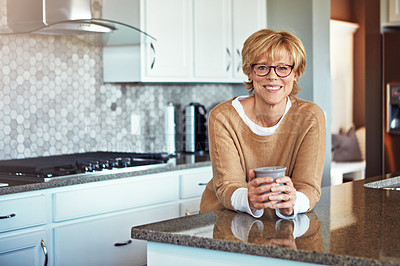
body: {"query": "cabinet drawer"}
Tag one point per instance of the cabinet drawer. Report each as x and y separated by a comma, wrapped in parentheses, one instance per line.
(194, 182)
(189, 207)
(103, 197)
(107, 240)
(22, 212)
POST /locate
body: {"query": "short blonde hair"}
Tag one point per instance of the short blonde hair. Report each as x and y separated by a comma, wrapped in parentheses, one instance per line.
(273, 44)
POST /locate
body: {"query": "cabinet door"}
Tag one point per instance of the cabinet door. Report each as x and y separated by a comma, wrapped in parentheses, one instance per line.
(213, 40)
(23, 247)
(107, 241)
(170, 22)
(249, 16)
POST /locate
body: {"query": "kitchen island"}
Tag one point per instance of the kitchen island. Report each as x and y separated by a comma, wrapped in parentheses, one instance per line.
(351, 225)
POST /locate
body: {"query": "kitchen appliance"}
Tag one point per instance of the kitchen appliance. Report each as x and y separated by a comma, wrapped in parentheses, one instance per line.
(393, 108)
(390, 91)
(72, 17)
(195, 128)
(170, 129)
(47, 168)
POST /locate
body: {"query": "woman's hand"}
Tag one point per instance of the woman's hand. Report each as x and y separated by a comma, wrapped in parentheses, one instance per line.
(284, 201)
(287, 197)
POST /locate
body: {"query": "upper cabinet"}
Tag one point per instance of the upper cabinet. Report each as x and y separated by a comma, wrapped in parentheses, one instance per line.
(213, 39)
(197, 41)
(390, 13)
(166, 59)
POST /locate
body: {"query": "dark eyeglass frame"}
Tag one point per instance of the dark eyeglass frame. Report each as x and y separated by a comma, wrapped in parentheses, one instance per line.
(274, 67)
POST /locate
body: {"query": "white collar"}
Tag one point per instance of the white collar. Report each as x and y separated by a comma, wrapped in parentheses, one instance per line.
(259, 130)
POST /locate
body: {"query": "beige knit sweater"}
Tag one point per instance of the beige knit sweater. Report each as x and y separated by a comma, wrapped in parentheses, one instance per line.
(298, 144)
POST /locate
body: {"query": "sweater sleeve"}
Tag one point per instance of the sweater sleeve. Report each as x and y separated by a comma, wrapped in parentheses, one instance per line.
(309, 161)
(227, 163)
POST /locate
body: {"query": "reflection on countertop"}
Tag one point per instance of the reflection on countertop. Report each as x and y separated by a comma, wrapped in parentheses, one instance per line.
(351, 225)
(178, 162)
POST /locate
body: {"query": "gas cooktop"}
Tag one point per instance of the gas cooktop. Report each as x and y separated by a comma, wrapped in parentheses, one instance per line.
(47, 167)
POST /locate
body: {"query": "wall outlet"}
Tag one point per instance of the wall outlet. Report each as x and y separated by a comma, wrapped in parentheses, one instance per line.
(135, 124)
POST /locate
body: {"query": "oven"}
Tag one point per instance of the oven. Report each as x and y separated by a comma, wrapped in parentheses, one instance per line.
(46, 168)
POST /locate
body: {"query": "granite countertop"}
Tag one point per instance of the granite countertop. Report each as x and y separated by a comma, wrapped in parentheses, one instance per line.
(351, 225)
(180, 162)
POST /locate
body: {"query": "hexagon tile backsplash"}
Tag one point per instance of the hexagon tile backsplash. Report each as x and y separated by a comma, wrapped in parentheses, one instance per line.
(53, 101)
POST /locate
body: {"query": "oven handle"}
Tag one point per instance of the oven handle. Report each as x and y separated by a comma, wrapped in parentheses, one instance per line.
(8, 216)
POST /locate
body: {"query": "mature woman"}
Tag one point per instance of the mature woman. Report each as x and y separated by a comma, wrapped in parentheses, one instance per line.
(270, 127)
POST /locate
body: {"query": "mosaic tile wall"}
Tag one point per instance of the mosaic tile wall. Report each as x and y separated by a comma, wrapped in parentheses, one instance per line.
(53, 101)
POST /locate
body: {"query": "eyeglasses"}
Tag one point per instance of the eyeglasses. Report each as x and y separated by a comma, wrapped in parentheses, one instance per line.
(281, 71)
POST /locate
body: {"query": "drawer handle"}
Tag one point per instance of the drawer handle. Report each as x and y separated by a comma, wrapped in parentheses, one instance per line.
(228, 65)
(187, 213)
(46, 255)
(8, 216)
(202, 184)
(123, 244)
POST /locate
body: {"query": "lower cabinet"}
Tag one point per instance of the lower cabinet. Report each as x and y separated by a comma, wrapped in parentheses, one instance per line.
(107, 240)
(192, 183)
(24, 247)
(90, 224)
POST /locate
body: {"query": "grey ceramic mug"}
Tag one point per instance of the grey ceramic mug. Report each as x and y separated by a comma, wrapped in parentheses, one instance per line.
(271, 171)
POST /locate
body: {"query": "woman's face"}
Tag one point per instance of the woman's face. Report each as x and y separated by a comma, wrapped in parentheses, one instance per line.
(271, 88)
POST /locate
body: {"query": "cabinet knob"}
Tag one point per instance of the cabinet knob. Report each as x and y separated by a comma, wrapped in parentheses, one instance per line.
(8, 216)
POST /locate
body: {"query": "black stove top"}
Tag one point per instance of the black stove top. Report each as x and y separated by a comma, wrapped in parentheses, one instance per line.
(77, 163)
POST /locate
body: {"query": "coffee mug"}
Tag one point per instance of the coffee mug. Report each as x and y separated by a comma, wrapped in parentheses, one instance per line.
(271, 171)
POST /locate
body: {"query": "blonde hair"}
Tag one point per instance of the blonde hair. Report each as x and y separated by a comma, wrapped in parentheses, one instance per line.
(273, 44)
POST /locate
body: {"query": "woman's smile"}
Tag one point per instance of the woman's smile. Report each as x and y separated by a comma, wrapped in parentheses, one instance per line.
(272, 88)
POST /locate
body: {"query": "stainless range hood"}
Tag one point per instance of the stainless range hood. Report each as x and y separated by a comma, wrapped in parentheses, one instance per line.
(69, 17)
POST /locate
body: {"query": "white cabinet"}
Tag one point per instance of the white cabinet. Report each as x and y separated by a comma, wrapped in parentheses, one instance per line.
(22, 217)
(192, 184)
(212, 39)
(107, 240)
(22, 212)
(23, 247)
(248, 17)
(220, 29)
(170, 22)
(197, 40)
(90, 224)
(166, 60)
(109, 196)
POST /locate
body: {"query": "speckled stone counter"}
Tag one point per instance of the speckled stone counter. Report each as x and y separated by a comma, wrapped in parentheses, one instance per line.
(351, 225)
(183, 161)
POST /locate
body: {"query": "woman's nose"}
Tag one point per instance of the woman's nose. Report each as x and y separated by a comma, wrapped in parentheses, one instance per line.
(272, 74)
